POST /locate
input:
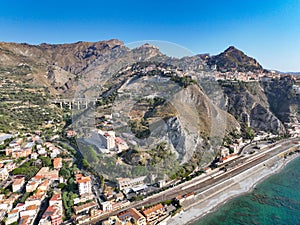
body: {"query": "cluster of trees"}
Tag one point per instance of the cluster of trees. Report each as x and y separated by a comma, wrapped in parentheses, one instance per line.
(183, 81)
(140, 128)
(68, 203)
(27, 169)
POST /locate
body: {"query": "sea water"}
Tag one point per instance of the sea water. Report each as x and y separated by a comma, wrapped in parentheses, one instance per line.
(274, 201)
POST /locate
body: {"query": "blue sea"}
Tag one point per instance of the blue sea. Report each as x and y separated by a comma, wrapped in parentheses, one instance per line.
(274, 201)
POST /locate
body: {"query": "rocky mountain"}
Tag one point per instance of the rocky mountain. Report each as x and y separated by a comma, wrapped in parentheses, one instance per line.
(156, 98)
(232, 60)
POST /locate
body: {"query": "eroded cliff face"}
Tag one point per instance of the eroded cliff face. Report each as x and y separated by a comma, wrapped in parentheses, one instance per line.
(198, 120)
(248, 103)
(284, 99)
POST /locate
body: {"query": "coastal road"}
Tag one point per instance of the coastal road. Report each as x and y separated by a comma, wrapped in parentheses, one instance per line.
(234, 168)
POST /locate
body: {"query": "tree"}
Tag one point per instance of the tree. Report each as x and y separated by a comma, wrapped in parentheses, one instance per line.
(249, 133)
(65, 173)
(46, 161)
(85, 164)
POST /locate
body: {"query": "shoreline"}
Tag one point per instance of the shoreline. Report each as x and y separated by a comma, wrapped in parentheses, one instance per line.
(201, 208)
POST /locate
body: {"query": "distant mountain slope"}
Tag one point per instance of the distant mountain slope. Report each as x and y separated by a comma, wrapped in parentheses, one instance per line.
(232, 60)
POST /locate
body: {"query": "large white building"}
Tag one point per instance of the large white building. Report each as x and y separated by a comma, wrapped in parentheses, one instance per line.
(84, 184)
(108, 139)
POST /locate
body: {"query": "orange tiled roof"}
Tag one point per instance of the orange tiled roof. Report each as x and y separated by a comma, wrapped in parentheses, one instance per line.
(31, 207)
(152, 209)
(56, 197)
(57, 162)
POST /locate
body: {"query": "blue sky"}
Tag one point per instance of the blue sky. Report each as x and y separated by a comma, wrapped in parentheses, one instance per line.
(268, 30)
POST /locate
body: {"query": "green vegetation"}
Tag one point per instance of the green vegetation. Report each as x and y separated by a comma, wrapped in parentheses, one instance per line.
(27, 169)
(46, 161)
(140, 128)
(25, 196)
(24, 107)
(68, 203)
(248, 133)
(183, 81)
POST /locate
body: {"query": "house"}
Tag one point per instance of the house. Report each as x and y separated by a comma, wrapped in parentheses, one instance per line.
(26, 220)
(57, 163)
(119, 197)
(121, 144)
(16, 142)
(12, 216)
(106, 206)
(10, 166)
(56, 200)
(224, 152)
(46, 173)
(54, 152)
(18, 184)
(84, 184)
(85, 207)
(71, 133)
(132, 215)
(52, 216)
(42, 152)
(30, 211)
(34, 155)
(44, 185)
(4, 137)
(153, 213)
(32, 185)
(3, 174)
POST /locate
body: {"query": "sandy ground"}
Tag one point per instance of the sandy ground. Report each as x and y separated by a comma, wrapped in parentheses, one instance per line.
(212, 198)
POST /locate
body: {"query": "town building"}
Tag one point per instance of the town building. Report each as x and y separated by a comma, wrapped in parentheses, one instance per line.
(3, 174)
(57, 163)
(132, 215)
(84, 184)
(153, 213)
(85, 207)
(18, 184)
(108, 139)
(52, 216)
(106, 206)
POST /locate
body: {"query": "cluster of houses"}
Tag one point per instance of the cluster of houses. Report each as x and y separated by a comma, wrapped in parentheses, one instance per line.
(19, 149)
(251, 76)
(150, 216)
(38, 186)
(293, 129)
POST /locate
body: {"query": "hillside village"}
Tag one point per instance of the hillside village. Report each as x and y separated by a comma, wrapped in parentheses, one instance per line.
(46, 178)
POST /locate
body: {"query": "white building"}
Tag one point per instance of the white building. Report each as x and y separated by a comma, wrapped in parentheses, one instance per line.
(108, 139)
(84, 184)
(3, 174)
(106, 206)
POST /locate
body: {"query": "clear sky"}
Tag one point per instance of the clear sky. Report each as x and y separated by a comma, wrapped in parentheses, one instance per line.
(268, 30)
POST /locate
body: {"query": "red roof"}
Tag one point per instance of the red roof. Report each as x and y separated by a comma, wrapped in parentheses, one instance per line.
(56, 197)
(153, 209)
